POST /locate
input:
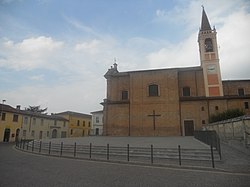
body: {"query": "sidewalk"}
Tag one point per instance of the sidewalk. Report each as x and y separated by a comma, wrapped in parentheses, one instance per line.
(234, 160)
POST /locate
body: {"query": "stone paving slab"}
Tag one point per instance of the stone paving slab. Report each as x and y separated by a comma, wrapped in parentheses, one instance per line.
(161, 142)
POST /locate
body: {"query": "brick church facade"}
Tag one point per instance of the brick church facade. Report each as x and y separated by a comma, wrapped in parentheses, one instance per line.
(173, 101)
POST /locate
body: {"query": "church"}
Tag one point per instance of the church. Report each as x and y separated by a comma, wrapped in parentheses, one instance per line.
(173, 101)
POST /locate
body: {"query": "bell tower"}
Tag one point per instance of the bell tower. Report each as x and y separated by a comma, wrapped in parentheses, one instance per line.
(209, 58)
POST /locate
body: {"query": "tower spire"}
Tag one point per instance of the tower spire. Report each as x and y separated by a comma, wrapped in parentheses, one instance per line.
(205, 25)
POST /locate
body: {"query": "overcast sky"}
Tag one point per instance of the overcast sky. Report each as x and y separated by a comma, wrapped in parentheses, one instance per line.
(54, 53)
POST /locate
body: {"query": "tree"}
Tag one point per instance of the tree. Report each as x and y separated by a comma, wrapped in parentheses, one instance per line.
(228, 114)
(36, 109)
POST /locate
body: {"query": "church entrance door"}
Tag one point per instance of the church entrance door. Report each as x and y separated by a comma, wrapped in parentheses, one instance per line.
(6, 135)
(189, 127)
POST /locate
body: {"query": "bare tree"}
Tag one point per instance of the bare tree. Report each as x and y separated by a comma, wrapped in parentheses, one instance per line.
(36, 109)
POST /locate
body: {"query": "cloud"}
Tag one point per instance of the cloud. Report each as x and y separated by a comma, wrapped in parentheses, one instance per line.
(234, 42)
(176, 55)
(29, 54)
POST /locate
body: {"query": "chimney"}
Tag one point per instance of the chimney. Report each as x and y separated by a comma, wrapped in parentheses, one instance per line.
(18, 107)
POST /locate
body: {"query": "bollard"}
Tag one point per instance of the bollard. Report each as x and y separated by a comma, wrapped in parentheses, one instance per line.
(33, 145)
(61, 148)
(128, 152)
(179, 149)
(20, 143)
(152, 155)
(107, 151)
(75, 150)
(49, 147)
(23, 144)
(90, 150)
(212, 156)
(40, 147)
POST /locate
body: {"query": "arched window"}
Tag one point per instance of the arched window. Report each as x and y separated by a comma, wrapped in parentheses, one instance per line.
(208, 45)
(186, 91)
(153, 90)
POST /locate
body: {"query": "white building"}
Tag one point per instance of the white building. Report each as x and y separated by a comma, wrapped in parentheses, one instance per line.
(97, 123)
(41, 126)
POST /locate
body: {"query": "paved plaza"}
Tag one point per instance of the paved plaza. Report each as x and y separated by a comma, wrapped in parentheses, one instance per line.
(27, 170)
(233, 160)
(162, 142)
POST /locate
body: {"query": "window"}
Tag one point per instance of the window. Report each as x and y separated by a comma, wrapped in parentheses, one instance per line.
(246, 105)
(3, 116)
(71, 131)
(15, 118)
(97, 119)
(89, 123)
(83, 123)
(55, 122)
(40, 134)
(25, 120)
(32, 133)
(24, 133)
(216, 108)
(42, 122)
(64, 124)
(241, 92)
(125, 95)
(34, 121)
(186, 91)
(78, 122)
(203, 122)
(47, 133)
(202, 108)
(63, 134)
(153, 90)
(208, 45)
(83, 132)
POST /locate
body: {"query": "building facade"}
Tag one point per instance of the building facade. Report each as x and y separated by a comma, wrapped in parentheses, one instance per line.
(79, 123)
(41, 126)
(175, 101)
(10, 123)
(16, 124)
(97, 123)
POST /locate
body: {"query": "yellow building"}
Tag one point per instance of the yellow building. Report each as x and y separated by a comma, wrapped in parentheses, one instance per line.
(79, 123)
(10, 123)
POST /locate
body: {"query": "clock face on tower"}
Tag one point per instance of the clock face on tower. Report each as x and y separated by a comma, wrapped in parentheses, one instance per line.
(211, 69)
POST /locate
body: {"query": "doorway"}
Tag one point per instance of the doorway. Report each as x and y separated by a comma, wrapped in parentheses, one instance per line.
(97, 131)
(54, 133)
(189, 127)
(17, 134)
(6, 137)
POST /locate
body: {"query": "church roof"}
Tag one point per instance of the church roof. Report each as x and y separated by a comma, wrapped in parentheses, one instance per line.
(194, 68)
(205, 25)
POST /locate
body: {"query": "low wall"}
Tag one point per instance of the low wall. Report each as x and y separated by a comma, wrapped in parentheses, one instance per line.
(235, 128)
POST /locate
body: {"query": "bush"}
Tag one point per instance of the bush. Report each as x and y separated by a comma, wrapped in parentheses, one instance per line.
(228, 114)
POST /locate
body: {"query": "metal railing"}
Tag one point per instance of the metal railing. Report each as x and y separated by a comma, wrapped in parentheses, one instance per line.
(122, 154)
(210, 138)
